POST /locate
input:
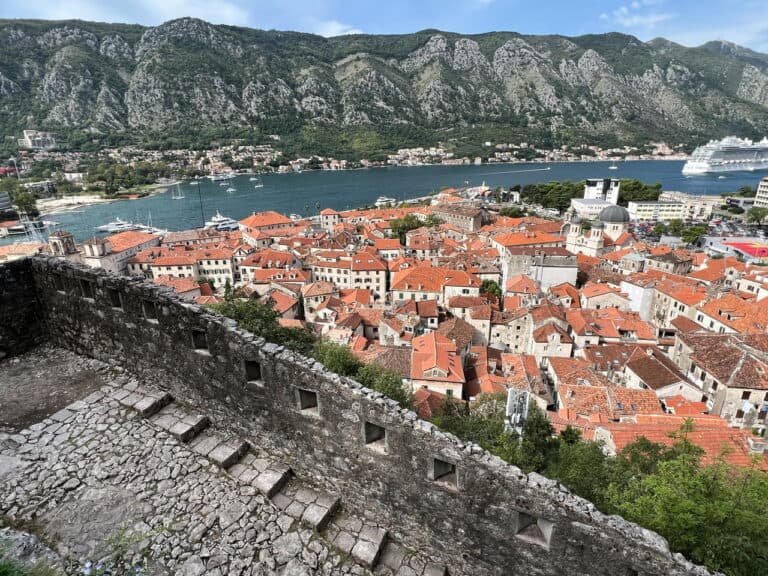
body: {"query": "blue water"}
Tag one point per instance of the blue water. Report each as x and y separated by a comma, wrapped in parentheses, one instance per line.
(301, 193)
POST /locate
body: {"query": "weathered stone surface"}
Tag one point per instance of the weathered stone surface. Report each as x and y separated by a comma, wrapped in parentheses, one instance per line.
(325, 450)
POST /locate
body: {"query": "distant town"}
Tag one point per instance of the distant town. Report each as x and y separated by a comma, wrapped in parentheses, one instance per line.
(607, 331)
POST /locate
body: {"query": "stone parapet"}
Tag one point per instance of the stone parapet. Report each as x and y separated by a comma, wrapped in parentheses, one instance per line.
(453, 501)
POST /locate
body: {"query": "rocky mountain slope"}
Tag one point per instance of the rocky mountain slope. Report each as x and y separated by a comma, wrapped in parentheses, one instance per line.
(188, 75)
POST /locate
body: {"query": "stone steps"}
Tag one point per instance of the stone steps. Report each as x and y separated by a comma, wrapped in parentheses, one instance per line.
(366, 543)
(312, 508)
(183, 426)
(144, 402)
(363, 541)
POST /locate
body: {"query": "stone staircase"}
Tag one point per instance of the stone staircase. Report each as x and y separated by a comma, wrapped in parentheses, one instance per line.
(366, 543)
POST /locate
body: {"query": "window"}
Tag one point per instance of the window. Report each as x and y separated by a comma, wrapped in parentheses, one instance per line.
(252, 370)
(444, 473)
(86, 289)
(150, 310)
(745, 395)
(739, 413)
(308, 402)
(199, 340)
(375, 437)
(58, 283)
(533, 530)
(114, 298)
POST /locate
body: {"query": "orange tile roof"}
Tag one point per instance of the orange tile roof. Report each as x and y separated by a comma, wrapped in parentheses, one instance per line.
(131, 239)
(427, 402)
(179, 285)
(710, 433)
(259, 220)
(432, 279)
(522, 284)
(282, 302)
(527, 239)
(435, 351)
(738, 314)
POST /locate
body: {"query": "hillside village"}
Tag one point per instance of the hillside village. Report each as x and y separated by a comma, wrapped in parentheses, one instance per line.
(615, 337)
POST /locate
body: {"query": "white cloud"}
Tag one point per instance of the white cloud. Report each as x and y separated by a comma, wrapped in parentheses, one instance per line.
(330, 28)
(638, 14)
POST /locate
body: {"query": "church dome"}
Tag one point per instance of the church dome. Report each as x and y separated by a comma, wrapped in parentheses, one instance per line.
(598, 224)
(614, 215)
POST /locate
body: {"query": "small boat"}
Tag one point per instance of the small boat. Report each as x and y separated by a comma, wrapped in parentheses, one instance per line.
(178, 194)
(231, 189)
(225, 183)
(721, 177)
(217, 177)
(613, 166)
(259, 183)
(295, 217)
(254, 178)
(223, 223)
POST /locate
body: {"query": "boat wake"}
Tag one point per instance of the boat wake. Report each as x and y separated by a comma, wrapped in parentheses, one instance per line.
(517, 171)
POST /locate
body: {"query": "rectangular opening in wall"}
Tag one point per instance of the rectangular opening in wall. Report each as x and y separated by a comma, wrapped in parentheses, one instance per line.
(58, 283)
(375, 437)
(86, 289)
(199, 340)
(444, 473)
(534, 530)
(150, 310)
(308, 402)
(114, 298)
(252, 371)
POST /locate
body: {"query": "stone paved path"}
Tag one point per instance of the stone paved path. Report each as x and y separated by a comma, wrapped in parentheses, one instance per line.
(128, 471)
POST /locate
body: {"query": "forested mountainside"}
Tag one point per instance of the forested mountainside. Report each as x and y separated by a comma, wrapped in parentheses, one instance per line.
(187, 80)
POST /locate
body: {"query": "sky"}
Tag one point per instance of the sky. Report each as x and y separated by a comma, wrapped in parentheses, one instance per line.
(688, 22)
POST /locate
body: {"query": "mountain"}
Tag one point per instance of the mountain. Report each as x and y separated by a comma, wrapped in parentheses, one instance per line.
(191, 79)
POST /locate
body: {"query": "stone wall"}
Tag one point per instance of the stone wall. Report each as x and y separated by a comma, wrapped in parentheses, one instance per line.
(20, 320)
(467, 508)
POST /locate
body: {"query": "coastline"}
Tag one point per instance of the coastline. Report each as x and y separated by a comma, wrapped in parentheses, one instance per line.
(49, 206)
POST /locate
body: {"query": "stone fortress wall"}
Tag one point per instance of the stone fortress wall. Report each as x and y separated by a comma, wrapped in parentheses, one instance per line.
(466, 508)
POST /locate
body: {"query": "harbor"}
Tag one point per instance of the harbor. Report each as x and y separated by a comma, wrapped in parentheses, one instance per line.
(192, 204)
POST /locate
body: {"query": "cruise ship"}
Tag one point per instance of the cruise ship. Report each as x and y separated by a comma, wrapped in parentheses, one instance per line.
(730, 154)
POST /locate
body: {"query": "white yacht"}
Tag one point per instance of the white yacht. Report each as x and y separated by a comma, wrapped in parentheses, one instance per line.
(223, 223)
(259, 183)
(117, 225)
(231, 189)
(384, 201)
(730, 154)
(177, 194)
(216, 177)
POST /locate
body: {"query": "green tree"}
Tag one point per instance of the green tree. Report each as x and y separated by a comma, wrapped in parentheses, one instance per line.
(228, 294)
(512, 212)
(676, 227)
(401, 226)
(691, 234)
(490, 287)
(659, 230)
(747, 191)
(337, 358)
(262, 320)
(757, 214)
(386, 381)
(26, 202)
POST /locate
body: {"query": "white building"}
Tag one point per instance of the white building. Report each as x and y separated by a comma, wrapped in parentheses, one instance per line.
(761, 199)
(602, 189)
